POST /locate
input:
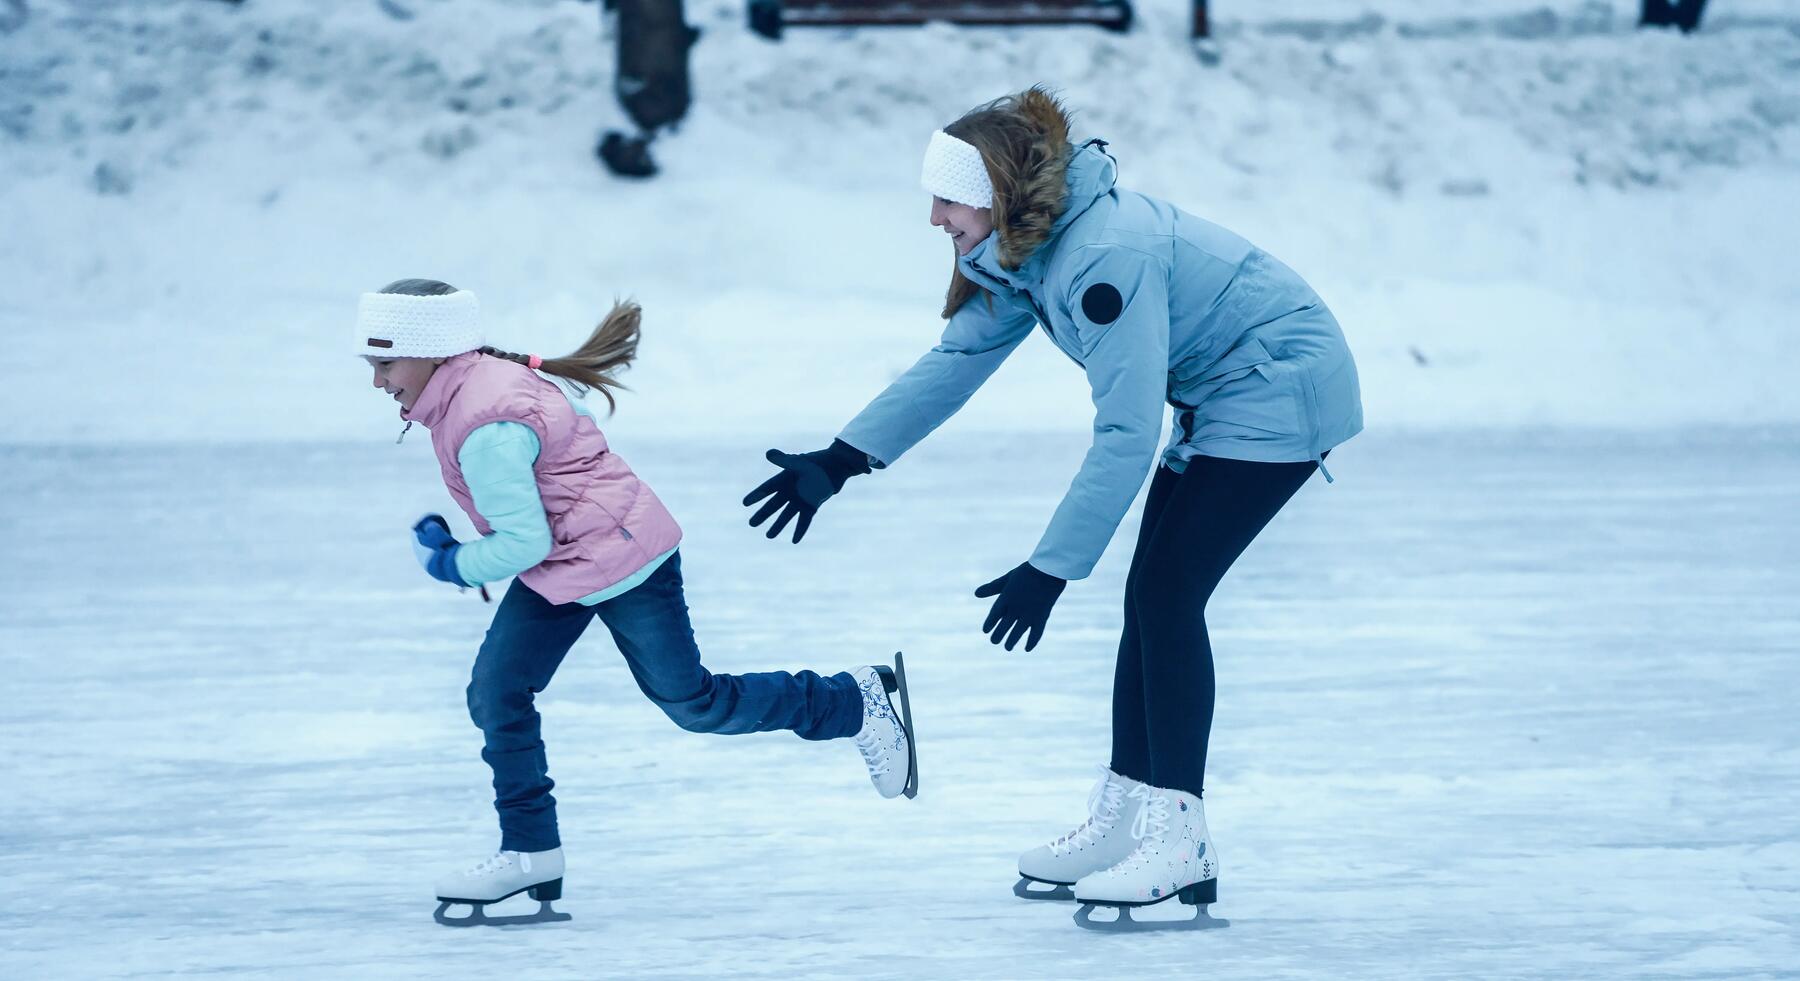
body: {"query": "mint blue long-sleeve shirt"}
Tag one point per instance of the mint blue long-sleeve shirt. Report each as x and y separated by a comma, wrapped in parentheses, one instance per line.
(496, 461)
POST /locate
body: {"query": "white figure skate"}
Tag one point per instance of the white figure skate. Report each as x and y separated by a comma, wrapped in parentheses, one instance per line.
(886, 739)
(506, 874)
(1100, 842)
(1174, 858)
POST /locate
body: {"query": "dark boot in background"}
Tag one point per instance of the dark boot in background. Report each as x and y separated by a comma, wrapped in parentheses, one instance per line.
(651, 80)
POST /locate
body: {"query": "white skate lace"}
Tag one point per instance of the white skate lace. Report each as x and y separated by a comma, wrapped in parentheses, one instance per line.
(1103, 811)
(1152, 818)
(1151, 824)
(870, 746)
(498, 863)
(868, 741)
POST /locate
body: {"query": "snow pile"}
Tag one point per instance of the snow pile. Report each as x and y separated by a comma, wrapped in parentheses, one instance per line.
(1523, 213)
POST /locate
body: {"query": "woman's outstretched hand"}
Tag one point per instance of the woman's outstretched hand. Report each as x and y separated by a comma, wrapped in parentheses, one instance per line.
(1026, 596)
(806, 481)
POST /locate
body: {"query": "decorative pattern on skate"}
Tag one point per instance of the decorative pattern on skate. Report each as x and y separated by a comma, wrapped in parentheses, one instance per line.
(876, 705)
(1172, 867)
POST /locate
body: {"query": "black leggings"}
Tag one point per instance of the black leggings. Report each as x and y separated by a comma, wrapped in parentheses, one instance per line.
(1195, 526)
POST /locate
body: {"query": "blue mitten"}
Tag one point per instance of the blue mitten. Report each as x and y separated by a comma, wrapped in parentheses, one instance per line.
(436, 548)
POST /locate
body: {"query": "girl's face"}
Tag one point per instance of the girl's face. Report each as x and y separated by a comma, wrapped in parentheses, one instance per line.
(966, 225)
(403, 378)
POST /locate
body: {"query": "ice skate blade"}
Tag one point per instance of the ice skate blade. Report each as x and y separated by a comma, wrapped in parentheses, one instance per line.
(479, 917)
(906, 719)
(1126, 924)
(1059, 891)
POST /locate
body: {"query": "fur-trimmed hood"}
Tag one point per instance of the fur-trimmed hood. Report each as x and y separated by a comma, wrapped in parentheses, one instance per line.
(1040, 194)
(1090, 175)
(1053, 185)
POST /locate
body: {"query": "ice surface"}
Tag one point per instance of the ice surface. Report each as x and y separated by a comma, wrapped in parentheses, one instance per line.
(1491, 705)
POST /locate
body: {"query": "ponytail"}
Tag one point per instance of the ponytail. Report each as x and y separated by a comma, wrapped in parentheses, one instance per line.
(595, 365)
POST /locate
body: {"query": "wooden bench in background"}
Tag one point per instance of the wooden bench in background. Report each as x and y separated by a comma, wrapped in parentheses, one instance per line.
(769, 17)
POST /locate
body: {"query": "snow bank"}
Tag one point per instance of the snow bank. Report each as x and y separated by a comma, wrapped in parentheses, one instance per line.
(1524, 214)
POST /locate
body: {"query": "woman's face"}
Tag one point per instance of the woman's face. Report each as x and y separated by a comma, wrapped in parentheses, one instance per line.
(403, 378)
(966, 225)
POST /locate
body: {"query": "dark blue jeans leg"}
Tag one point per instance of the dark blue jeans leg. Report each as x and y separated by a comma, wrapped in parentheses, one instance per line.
(527, 641)
(650, 625)
(1215, 509)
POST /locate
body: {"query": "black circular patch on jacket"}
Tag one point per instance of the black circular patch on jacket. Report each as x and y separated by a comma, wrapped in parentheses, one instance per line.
(1102, 303)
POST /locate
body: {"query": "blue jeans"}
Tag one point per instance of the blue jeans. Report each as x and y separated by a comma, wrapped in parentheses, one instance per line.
(528, 639)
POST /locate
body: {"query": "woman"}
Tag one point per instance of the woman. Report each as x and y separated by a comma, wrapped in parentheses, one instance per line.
(1155, 305)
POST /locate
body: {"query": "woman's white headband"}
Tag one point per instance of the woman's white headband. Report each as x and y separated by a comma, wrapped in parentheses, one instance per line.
(954, 171)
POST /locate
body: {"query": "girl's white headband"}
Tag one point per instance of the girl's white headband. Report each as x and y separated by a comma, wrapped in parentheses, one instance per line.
(396, 325)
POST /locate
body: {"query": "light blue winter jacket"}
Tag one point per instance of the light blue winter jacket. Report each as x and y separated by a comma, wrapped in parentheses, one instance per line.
(1156, 306)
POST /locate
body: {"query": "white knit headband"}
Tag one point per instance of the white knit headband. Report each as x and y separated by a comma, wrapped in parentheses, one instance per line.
(397, 325)
(954, 171)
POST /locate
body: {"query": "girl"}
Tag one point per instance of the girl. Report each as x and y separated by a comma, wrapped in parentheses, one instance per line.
(1156, 306)
(584, 538)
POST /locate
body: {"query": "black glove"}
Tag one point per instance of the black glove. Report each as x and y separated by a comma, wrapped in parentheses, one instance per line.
(806, 481)
(1026, 596)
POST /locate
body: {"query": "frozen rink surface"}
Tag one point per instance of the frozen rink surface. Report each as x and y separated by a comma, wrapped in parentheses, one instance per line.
(1495, 706)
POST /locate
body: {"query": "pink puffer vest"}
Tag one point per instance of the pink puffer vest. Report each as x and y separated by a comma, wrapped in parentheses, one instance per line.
(605, 523)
